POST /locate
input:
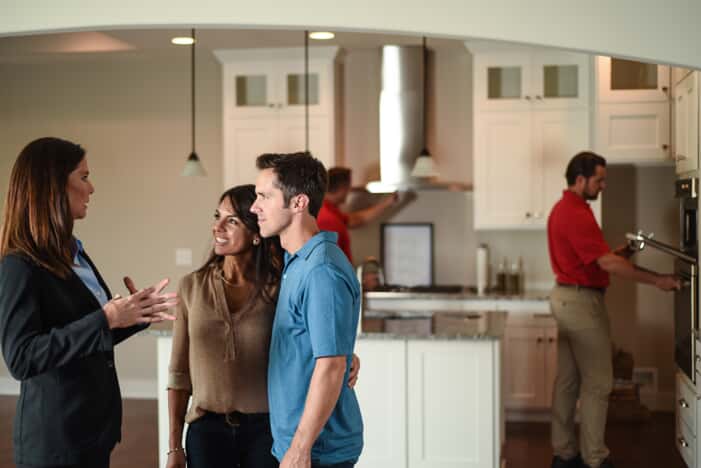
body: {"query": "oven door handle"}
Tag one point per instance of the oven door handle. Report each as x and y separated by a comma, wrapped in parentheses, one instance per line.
(639, 241)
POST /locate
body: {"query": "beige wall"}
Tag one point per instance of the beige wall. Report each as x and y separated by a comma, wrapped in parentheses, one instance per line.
(132, 116)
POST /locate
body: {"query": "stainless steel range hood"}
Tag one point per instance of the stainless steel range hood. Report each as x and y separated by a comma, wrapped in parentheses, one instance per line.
(402, 116)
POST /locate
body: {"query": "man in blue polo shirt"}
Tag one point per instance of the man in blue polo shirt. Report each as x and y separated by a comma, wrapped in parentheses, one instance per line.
(314, 417)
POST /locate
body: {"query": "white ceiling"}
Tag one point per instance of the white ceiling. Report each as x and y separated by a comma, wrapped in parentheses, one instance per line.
(62, 46)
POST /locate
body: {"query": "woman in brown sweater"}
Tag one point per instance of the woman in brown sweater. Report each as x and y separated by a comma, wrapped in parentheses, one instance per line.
(221, 339)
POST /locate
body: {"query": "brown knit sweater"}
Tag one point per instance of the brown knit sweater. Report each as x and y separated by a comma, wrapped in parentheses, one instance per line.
(220, 347)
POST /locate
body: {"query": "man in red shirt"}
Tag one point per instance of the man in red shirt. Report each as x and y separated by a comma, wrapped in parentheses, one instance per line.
(582, 262)
(331, 218)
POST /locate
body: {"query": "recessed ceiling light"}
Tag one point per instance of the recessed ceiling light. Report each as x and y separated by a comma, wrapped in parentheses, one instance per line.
(321, 35)
(182, 41)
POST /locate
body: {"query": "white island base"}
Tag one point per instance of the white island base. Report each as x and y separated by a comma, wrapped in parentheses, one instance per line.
(431, 402)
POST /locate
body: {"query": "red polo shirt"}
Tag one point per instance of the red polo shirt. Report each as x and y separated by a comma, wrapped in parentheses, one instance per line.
(575, 242)
(331, 218)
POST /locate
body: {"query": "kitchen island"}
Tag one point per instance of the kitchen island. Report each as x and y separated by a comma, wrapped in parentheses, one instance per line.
(438, 400)
(432, 401)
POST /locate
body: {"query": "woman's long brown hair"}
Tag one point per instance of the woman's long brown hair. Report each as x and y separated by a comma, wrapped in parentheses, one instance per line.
(37, 221)
(266, 268)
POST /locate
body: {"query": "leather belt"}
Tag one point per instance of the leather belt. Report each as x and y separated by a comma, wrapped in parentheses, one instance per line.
(586, 288)
(236, 418)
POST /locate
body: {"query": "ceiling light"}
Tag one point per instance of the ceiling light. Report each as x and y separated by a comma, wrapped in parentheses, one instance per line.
(321, 35)
(183, 40)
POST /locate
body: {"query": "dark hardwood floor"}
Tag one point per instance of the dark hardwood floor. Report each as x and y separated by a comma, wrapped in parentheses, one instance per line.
(635, 445)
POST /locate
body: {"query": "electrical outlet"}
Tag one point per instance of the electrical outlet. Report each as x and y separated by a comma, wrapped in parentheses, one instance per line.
(183, 257)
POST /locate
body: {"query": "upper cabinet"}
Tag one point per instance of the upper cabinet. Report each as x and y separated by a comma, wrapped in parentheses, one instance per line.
(686, 123)
(633, 111)
(531, 116)
(525, 81)
(264, 106)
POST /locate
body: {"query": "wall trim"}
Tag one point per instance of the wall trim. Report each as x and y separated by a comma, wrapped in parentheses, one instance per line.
(145, 389)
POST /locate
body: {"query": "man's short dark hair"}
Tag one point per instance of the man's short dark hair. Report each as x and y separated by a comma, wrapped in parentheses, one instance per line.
(583, 164)
(339, 177)
(297, 173)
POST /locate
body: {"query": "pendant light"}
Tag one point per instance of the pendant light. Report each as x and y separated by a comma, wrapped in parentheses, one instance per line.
(193, 165)
(306, 91)
(424, 165)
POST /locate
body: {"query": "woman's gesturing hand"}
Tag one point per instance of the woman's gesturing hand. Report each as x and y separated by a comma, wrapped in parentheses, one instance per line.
(146, 306)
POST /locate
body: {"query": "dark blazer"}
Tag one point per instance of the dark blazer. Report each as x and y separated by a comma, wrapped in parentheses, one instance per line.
(55, 339)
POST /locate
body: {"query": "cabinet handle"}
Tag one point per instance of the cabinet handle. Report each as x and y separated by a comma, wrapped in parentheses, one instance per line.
(683, 403)
(665, 89)
(528, 215)
(527, 98)
(271, 105)
(551, 340)
(683, 442)
(665, 147)
(539, 98)
(539, 339)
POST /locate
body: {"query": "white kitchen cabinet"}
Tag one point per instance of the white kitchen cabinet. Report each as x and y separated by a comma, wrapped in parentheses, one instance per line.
(430, 403)
(454, 405)
(531, 117)
(686, 419)
(520, 160)
(382, 394)
(633, 111)
(525, 80)
(263, 106)
(686, 122)
(530, 356)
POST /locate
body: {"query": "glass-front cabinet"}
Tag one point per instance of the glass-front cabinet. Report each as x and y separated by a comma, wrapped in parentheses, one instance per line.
(622, 80)
(633, 111)
(521, 81)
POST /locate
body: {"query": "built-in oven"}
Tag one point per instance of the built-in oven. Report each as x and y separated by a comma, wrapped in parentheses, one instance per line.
(686, 318)
(686, 193)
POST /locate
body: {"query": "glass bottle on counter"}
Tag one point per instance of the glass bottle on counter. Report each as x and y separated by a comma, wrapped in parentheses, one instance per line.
(501, 276)
(514, 279)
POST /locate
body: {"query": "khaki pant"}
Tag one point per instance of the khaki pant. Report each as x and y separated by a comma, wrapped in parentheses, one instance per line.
(584, 371)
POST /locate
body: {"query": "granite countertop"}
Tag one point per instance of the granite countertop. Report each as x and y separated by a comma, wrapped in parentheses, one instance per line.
(402, 336)
(534, 295)
(443, 325)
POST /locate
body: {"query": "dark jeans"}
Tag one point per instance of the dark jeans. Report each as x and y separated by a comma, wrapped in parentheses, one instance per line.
(242, 440)
(93, 461)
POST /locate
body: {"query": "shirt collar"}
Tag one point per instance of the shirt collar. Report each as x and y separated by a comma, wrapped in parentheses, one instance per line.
(572, 197)
(316, 240)
(78, 250)
(331, 206)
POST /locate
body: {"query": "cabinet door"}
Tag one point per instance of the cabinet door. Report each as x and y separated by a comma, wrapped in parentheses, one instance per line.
(686, 122)
(633, 133)
(621, 80)
(381, 394)
(244, 141)
(504, 170)
(251, 90)
(292, 137)
(560, 80)
(557, 136)
(292, 88)
(502, 81)
(453, 404)
(550, 363)
(524, 379)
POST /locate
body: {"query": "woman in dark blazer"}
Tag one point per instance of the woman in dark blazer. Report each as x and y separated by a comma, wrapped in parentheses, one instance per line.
(58, 321)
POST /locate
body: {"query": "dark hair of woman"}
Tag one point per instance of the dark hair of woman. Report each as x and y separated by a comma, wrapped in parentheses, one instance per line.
(38, 221)
(266, 269)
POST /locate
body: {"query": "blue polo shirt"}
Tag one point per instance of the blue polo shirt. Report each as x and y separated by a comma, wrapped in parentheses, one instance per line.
(316, 316)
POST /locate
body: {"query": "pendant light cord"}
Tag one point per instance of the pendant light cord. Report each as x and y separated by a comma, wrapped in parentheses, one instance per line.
(306, 90)
(425, 113)
(192, 89)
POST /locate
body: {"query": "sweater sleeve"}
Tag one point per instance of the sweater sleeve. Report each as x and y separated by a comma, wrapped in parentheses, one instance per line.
(30, 350)
(179, 369)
